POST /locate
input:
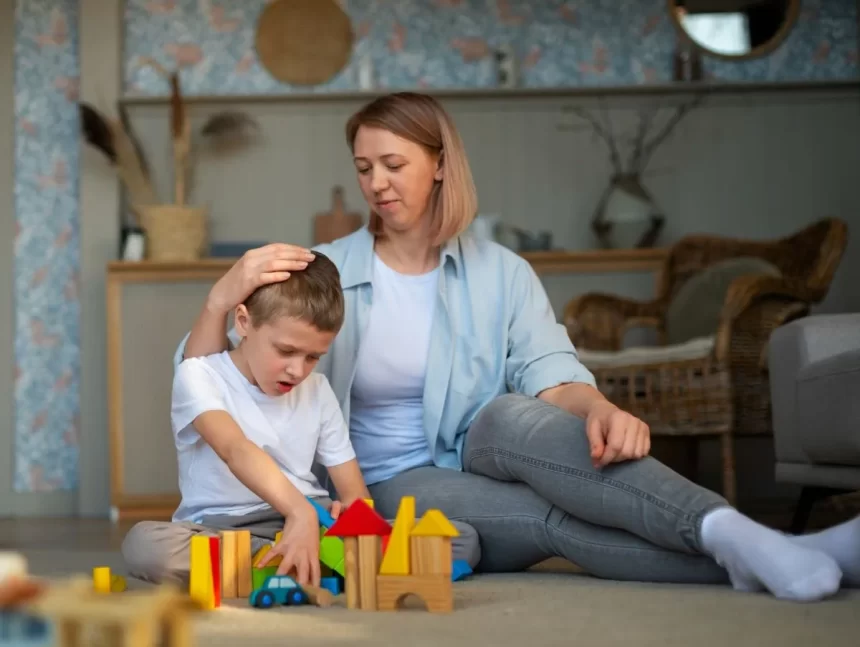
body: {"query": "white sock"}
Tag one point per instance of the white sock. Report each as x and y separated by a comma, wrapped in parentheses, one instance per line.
(842, 543)
(756, 556)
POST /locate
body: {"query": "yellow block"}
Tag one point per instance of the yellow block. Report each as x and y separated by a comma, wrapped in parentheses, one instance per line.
(101, 579)
(201, 587)
(117, 583)
(434, 524)
(262, 553)
(229, 571)
(369, 502)
(396, 559)
(243, 563)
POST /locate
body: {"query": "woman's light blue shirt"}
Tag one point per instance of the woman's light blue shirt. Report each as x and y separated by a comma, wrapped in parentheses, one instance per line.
(494, 331)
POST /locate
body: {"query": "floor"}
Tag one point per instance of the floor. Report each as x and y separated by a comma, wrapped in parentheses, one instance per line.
(551, 605)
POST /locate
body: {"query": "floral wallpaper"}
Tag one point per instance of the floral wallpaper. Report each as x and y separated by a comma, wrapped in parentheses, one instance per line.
(46, 247)
(447, 43)
(411, 43)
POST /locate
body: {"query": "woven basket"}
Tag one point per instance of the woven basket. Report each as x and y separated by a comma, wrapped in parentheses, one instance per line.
(174, 233)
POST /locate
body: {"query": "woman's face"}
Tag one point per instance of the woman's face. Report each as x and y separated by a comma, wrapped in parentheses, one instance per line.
(396, 177)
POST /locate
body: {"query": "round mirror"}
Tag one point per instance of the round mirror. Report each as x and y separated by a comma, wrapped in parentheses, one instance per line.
(735, 29)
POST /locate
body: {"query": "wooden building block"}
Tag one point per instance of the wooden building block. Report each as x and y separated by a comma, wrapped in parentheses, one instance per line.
(332, 584)
(215, 562)
(229, 565)
(259, 575)
(434, 524)
(351, 582)
(396, 560)
(117, 583)
(431, 556)
(318, 596)
(101, 579)
(368, 569)
(243, 563)
(200, 586)
(261, 554)
(332, 554)
(324, 516)
(435, 590)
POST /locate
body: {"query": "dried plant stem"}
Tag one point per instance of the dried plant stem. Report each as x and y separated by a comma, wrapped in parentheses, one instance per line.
(181, 150)
(130, 168)
(158, 67)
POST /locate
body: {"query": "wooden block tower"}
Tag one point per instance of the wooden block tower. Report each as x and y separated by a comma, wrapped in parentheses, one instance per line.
(361, 529)
(220, 567)
(416, 561)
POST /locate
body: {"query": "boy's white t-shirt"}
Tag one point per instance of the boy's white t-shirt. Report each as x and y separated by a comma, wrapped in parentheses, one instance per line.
(295, 429)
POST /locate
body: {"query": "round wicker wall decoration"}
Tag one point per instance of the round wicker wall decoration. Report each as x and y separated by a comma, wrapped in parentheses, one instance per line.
(303, 42)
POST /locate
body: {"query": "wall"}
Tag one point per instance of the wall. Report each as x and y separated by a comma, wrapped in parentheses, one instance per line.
(37, 331)
(565, 44)
(445, 43)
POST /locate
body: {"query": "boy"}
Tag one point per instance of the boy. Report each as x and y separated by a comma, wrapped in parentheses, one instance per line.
(249, 423)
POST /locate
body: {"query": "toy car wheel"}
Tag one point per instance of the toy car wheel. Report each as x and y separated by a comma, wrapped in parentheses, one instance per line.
(265, 600)
(296, 597)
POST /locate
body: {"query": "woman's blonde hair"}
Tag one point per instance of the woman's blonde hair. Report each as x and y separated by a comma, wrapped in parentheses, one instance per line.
(421, 119)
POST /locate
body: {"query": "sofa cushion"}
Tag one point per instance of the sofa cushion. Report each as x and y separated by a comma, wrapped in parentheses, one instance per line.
(828, 402)
(637, 356)
(694, 310)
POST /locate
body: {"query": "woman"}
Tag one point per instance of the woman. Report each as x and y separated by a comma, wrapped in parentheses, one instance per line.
(461, 389)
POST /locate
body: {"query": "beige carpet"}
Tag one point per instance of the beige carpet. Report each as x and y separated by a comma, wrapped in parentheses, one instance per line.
(527, 610)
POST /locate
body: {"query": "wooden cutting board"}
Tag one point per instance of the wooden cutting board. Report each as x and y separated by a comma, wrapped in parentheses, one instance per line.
(337, 223)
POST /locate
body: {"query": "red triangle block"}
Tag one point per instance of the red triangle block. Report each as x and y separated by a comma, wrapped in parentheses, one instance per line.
(215, 560)
(359, 519)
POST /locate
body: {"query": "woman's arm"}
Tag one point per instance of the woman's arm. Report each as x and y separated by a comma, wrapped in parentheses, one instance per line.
(542, 362)
(540, 355)
(256, 268)
(577, 398)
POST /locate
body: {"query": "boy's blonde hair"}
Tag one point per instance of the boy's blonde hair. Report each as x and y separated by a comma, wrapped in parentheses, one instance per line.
(312, 295)
(422, 120)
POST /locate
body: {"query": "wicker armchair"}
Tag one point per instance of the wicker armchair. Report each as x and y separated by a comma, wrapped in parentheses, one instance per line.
(723, 390)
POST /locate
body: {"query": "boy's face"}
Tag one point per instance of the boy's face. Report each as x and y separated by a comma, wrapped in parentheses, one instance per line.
(282, 352)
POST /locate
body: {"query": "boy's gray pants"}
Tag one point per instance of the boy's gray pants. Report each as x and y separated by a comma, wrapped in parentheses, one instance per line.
(160, 551)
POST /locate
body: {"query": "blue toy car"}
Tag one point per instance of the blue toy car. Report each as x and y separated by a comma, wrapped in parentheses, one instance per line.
(278, 589)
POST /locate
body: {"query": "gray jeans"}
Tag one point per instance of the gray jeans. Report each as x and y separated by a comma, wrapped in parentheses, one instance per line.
(530, 491)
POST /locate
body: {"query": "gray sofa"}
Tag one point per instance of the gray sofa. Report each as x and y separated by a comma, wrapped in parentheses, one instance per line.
(814, 366)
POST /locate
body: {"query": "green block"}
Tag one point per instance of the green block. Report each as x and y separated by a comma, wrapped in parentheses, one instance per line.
(331, 553)
(260, 575)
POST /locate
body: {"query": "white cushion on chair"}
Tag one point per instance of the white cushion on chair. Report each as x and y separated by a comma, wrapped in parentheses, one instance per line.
(638, 355)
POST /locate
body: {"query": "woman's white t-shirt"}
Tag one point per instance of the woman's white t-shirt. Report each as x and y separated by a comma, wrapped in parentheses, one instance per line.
(295, 429)
(386, 411)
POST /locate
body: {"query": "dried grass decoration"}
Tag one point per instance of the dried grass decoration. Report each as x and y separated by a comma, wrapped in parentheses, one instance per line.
(175, 231)
(115, 139)
(303, 42)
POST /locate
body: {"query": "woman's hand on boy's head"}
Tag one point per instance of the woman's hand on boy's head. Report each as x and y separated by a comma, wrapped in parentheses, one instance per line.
(257, 267)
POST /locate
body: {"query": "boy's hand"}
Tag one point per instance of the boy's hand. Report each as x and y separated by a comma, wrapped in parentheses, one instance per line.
(299, 547)
(335, 510)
